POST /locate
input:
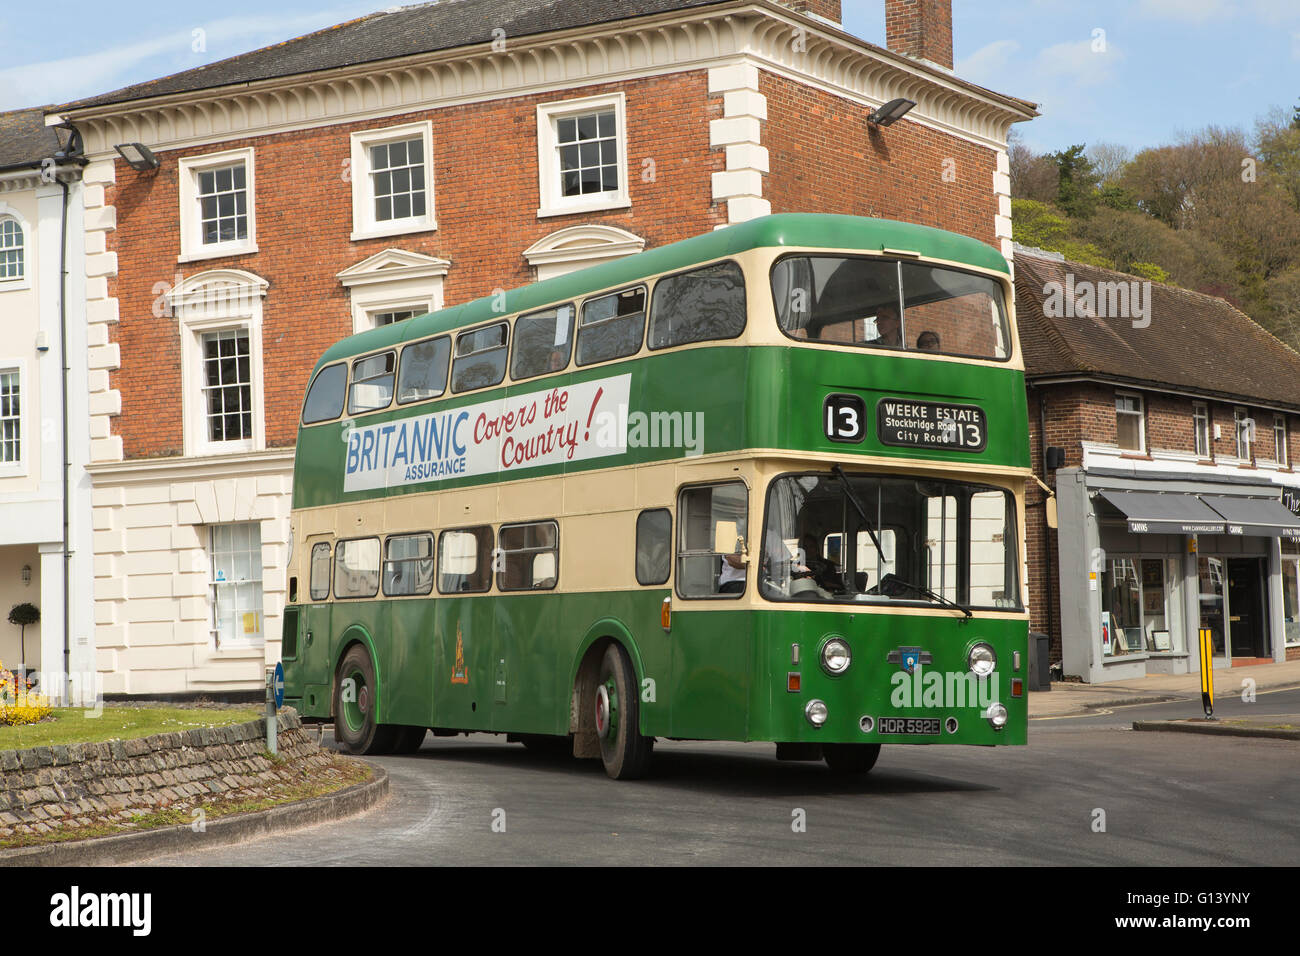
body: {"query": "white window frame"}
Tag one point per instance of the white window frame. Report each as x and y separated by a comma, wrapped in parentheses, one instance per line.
(29, 251)
(1201, 416)
(218, 302)
(1142, 421)
(239, 641)
(1280, 438)
(1240, 415)
(191, 220)
(19, 468)
(364, 224)
(553, 203)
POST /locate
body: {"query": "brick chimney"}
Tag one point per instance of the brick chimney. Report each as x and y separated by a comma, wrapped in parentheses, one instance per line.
(830, 9)
(921, 29)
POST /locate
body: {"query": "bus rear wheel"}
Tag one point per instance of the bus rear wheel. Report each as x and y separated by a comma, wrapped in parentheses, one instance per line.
(624, 752)
(851, 758)
(356, 726)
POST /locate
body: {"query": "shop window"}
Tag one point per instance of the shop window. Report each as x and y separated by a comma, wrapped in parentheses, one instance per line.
(1291, 591)
(1129, 422)
(1136, 599)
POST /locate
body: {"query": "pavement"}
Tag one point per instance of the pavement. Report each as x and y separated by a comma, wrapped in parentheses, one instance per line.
(1071, 698)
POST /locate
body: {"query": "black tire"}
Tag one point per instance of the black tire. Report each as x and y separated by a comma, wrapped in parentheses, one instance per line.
(356, 728)
(851, 758)
(624, 752)
(407, 740)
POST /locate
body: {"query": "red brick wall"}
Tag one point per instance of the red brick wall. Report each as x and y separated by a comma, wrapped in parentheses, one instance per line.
(824, 158)
(920, 28)
(486, 199)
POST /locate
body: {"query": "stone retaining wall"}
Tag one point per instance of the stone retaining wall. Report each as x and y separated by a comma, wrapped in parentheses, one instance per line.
(80, 785)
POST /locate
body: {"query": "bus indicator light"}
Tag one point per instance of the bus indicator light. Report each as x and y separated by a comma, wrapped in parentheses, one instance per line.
(792, 682)
(1017, 687)
(666, 614)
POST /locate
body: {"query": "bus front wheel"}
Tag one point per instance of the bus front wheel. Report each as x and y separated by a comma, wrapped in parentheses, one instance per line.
(356, 719)
(851, 758)
(625, 753)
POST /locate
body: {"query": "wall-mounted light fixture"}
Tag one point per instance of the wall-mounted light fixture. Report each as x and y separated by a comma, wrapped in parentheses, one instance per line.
(889, 114)
(137, 155)
(26, 574)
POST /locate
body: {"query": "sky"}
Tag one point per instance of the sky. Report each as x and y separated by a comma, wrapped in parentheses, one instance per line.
(1132, 72)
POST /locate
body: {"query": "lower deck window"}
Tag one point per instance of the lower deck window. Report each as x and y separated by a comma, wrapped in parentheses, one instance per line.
(712, 525)
(529, 556)
(465, 560)
(356, 568)
(408, 564)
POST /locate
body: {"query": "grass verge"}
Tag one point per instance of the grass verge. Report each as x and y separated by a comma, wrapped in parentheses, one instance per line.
(75, 725)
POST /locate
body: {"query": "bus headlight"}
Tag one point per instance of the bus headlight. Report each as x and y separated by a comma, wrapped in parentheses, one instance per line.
(982, 660)
(836, 656)
(816, 712)
(997, 716)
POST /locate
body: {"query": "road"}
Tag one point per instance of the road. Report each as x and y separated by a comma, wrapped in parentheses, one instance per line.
(1168, 799)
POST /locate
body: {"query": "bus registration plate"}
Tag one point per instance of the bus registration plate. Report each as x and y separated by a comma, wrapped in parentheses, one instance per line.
(908, 725)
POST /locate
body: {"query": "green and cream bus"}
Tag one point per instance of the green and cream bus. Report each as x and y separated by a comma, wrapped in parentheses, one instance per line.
(765, 484)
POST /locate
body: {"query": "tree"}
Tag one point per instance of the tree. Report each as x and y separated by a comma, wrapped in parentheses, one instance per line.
(1108, 161)
(1032, 176)
(20, 615)
(1076, 191)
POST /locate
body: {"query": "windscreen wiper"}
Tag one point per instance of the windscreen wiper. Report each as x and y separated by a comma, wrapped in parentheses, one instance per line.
(924, 592)
(857, 505)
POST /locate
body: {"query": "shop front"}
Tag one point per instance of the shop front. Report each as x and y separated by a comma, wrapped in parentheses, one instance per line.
(1147, 562)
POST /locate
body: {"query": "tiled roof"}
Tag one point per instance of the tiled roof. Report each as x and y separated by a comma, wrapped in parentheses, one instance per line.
(401, 31)
(1194, 342)
(25, 139)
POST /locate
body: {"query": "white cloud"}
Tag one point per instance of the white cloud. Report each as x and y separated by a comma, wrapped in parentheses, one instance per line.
(75, 77)
(988, 65)
(1082, 62)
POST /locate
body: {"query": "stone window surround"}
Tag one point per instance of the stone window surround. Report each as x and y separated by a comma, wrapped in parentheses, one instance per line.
(393, 280)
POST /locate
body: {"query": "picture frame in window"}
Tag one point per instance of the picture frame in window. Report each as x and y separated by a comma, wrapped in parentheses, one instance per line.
(1160, 641)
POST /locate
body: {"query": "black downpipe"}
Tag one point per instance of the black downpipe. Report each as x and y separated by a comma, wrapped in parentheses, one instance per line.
(1047, 532)
(67, 464)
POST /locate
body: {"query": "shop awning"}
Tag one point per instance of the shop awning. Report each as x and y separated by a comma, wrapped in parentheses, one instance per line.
(1174, 513)
(1266, 517)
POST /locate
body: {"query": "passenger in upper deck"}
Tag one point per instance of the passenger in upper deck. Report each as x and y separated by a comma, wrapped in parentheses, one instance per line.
(888, 327)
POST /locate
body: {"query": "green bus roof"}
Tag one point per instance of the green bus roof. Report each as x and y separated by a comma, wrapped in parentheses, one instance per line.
(788, 229)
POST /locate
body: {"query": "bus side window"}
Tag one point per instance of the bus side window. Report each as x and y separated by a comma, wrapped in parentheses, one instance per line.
(698, 306)
(612, 326)
(654, 546)
(480, 358)
(712, 525)
(320, 571)
(465, 561)
(356, 568)
(325, 397)
(408, 564)
(542, 342)
(530, 556)
(423, 370)
(372, 383)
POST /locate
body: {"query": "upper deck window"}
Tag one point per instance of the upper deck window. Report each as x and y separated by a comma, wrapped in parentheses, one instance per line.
(612, 326)
(372, 383)
(542, 342)
(887, 304)
(325, 397)
(423, 372)
(480, 358)
(698, 306)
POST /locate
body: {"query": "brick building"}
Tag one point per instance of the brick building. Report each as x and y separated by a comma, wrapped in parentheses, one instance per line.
(45, 523)
(1175, 421)
(424, 157)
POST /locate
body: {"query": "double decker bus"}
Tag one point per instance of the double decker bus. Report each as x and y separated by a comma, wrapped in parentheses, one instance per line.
(764, 484)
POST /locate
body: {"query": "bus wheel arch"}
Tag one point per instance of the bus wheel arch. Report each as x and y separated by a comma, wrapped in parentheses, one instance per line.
(604, 711)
